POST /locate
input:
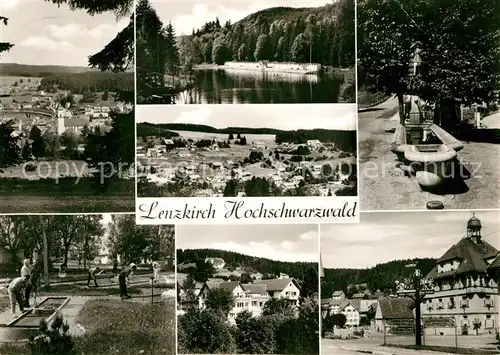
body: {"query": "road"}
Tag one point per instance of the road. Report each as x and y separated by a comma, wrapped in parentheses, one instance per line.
(379, 171)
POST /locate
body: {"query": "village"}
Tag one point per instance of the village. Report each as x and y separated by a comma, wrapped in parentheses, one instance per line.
(250, 291)
(216, 165)
(458, 300)
(26, 105)
(241, 289)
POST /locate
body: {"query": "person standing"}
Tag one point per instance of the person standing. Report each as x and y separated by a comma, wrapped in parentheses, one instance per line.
(35, 279)
(122, 279)
(92, 276)
(16, 294)
(26, 272)
(156, 271)
(115, 267)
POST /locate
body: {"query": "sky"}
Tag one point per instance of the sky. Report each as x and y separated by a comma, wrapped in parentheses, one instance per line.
(386, 236)
(45, 34)
(285, 242)
(188, 15)
(286, 117)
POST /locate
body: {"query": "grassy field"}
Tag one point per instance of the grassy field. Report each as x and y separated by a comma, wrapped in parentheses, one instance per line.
(10, 80)
(47, 196)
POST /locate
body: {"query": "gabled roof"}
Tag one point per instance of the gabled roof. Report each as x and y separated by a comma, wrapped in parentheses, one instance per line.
(472, 257)
(274, 285)
(495, 264)
(253, 288)
(393, 308)
(356, 304)
(337, 293)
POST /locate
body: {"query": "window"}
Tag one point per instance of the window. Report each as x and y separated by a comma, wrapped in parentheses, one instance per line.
(254, 303)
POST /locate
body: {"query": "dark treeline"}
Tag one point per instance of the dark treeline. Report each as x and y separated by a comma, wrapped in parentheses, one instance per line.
(322, 35)
(344, 140)
(380, 277)
(148, 129)
(82, 83)
(13, 69)
(262, 265)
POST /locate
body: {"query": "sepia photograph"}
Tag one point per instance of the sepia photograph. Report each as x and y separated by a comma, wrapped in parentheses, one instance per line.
(237, 52)
(247, 289)
(230, 151)
(428, 96)
(427, 281)
(66, 107)
(86, 284)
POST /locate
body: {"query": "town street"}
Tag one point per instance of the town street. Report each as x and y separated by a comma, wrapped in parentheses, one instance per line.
(383, 185)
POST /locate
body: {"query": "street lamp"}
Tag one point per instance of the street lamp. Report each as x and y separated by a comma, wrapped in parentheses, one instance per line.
(415, 292)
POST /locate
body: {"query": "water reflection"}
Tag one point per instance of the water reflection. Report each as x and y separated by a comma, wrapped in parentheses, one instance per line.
(244, 86)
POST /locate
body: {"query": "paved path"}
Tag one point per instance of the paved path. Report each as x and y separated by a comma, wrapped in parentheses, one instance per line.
(383, 185)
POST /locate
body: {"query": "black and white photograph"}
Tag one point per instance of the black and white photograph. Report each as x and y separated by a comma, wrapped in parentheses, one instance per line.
(411, 282)
(428, 96)
(236, 52)
(86, 284)
(230, 151)
(247, 289)
(66, 107)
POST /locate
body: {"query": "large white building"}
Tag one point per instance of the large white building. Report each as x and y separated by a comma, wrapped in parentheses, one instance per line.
(464, 292)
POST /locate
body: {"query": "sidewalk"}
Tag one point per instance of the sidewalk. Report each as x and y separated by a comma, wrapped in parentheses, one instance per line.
(383, 350)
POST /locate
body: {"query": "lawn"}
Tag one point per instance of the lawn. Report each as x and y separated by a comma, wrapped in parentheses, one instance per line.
(117, 327)
(447, 349)
(82, 290)
(112, 328)
(47, 196)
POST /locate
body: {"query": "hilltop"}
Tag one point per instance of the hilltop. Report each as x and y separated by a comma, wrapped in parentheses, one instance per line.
(14, 69)
(344, 140)
(257, 264)
(380, 277)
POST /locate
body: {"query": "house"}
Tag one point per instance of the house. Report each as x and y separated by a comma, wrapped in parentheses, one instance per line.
(338, 295)
(217, 263)
(314, 143)
(242, 298)
(284, 276)
(464, 291)
(75, 125)
(350, 308)
(284, 288)
(395, 315)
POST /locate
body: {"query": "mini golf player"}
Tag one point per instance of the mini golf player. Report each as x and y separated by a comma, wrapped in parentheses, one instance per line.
(16, 288)
(93, 272)
(122, 279)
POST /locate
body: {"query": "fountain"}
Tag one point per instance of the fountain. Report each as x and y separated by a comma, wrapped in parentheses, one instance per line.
(427, 150)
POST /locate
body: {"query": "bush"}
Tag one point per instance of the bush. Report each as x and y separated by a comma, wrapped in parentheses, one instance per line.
(348, 88)
(30, 167)
(54, 340)
(205, 332)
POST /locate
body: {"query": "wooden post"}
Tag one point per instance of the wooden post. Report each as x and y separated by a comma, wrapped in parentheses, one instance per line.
(383, 324)
(456, 335)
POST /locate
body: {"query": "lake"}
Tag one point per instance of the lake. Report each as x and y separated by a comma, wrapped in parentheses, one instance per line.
(219, 86)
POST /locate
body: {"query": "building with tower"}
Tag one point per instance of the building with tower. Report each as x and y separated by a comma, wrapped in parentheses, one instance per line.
(463, 297)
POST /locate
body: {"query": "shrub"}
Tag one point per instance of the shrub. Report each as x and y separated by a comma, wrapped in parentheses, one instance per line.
(30, 167)
(54, 340)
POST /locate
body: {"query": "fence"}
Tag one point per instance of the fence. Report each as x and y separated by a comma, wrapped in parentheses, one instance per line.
(442, 331)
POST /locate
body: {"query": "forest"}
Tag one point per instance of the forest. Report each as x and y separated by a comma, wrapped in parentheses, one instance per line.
(323, 35)
(344, 140)
(233, 260)
(14, 69)
(92, 81)
(149, 129)
(380, 277)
